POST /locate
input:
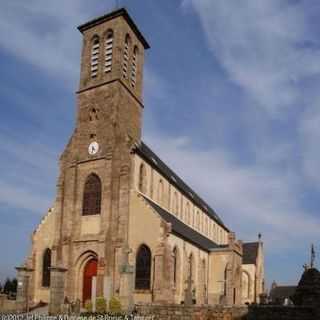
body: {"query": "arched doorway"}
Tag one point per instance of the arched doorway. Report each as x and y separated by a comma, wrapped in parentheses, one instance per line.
(89, 271)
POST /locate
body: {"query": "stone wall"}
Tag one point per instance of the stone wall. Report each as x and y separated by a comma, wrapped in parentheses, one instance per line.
(176, 312)
(6, 305)
(282, 313)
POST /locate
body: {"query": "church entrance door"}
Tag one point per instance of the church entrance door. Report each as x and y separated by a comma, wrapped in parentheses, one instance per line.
(90, 271)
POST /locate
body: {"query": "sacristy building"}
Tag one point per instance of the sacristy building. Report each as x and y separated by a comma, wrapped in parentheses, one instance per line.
(123, 223)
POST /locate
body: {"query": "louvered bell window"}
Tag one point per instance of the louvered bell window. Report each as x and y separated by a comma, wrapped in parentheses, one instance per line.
(95, 58)
(134, 67)
(125, 58)
(108, 51)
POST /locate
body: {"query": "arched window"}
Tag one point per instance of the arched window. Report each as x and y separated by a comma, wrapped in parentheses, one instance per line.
(46, 265)
(94, 114)
(134, 66)
(126, 57)
(245, 281)
(92, 196)
(142, 178)
(95, 56)
(108, 51)
(160, 192)
(143, 268)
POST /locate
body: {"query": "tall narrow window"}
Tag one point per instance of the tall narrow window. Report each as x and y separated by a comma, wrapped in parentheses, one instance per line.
(206, 225)
(188, 213)
(160, 192)
(95, 57)
(126, 57)
(142, 178)
(175, 203)
(108, 51)
(143, 268)
(226, 278)
(190, 267)
(198, 220)
(46, 265)
(92, 196)
(134, 66)
(175, 265)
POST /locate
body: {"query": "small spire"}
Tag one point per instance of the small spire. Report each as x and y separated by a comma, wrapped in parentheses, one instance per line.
(313, 256)
(259, 236)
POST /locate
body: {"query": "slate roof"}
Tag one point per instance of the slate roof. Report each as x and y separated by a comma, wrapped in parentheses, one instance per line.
(250, 252)
(147, 154)
(182, 230)
(282, 292)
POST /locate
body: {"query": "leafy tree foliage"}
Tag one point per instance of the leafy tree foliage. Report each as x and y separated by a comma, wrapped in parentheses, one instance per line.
(10, 286)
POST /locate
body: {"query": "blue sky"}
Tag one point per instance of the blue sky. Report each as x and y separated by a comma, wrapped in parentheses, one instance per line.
(231, 104)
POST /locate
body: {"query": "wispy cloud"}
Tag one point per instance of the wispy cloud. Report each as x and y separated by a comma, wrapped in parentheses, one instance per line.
(264, 46)
(250, 199)
(44, 33)
(31, 167)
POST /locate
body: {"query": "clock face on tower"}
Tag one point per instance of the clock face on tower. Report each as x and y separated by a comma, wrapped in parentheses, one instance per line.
(93, 148)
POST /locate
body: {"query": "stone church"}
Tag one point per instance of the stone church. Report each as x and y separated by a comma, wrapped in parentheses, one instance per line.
(123, 223)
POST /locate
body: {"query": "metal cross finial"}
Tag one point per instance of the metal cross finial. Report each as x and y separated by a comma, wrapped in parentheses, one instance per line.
(313, 256)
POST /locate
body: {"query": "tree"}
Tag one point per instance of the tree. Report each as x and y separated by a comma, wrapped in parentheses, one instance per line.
(1, 287)
(14, 285)
(7, 286)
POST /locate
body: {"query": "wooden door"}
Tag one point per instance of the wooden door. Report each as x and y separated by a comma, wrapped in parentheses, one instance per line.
(90, 271)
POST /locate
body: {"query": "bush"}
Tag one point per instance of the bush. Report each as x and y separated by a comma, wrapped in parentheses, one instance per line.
(88, 305)
(101, 305)
(114, 305)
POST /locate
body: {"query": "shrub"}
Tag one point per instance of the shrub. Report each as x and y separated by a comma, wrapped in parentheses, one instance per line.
(114, 305)
(88, 305)
(101, 305)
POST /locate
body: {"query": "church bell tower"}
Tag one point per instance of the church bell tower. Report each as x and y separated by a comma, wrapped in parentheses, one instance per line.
(110, 93)
(93, 190)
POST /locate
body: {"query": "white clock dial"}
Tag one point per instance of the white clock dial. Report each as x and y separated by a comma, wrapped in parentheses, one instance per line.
(93, 148)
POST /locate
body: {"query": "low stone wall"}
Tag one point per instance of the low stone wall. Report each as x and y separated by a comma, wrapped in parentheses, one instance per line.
(6, 305)
(282, 313)
(177, 312)
(180, 312)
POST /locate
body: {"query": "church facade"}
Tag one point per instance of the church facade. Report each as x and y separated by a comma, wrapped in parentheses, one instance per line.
(123, 223)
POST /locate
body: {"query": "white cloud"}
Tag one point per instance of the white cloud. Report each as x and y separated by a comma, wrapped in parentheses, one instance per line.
(21, 198)
(31, 169)
(43, 33)
(250, 199)
(260, 45)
